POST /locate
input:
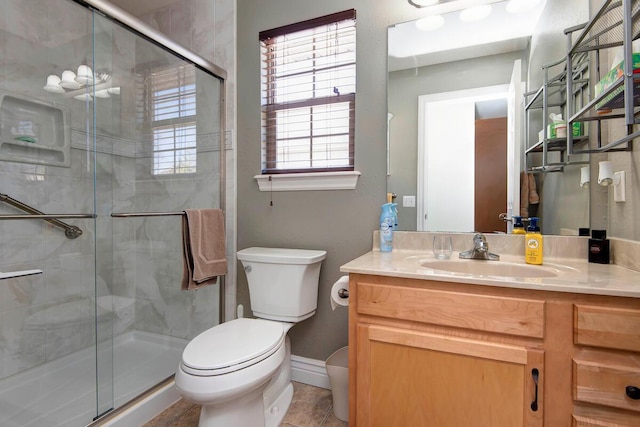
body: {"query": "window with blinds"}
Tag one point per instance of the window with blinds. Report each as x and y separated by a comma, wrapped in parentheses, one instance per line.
(308, 95)
(173, 120)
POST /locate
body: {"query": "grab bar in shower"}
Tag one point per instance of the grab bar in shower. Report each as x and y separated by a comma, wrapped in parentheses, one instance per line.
(71, 231)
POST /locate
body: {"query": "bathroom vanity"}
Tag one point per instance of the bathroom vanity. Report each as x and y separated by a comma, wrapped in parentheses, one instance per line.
(431, 347)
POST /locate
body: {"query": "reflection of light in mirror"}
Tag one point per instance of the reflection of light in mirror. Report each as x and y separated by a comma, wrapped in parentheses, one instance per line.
(423, 3)
(406, 41)
(430, 23)
(477, 13)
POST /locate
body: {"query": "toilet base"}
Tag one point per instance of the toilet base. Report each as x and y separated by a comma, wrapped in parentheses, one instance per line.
(274, 415)
(247, 411)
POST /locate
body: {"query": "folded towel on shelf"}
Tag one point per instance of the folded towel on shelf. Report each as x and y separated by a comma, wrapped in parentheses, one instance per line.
(203, 248)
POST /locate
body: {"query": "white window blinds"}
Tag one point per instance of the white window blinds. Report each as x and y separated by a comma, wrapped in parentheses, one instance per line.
(308, 95)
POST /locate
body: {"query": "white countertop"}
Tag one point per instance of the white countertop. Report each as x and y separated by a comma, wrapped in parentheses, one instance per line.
(572, 275)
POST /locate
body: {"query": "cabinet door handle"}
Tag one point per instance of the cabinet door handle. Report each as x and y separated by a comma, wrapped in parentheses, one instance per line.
(535, 374)
(633, 392)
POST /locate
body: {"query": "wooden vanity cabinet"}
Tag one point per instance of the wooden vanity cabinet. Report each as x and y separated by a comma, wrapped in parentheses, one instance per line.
(606, 366)
(429, 353)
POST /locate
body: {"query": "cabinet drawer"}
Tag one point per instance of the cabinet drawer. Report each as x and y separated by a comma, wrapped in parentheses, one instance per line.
(605, 383)
(607, 327)
(513, 316)
(580, 421)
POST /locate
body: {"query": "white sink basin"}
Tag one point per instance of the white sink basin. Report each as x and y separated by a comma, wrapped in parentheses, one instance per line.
(490, 268)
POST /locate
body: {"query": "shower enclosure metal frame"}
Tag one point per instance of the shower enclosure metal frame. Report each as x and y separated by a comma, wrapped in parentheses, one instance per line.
(160, 39)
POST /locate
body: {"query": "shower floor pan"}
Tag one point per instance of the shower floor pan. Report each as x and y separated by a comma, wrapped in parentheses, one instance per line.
(62, 392)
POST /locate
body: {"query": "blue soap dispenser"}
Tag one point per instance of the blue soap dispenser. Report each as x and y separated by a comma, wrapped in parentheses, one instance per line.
(395, 216)
(387, 222)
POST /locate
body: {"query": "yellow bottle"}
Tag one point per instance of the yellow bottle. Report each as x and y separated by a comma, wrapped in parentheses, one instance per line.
(533, 241)
(518, 226)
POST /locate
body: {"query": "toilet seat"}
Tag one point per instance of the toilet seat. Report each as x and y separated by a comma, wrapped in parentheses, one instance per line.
(232, 346)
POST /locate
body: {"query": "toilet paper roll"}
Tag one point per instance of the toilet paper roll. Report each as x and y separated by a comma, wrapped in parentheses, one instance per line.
(336, 299)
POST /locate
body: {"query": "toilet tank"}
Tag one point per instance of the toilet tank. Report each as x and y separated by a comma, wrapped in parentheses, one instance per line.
(283, 283)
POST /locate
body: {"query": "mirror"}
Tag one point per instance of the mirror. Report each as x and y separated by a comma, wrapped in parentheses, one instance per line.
(449, 90)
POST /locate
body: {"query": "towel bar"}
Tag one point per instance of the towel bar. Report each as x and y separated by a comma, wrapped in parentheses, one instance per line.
(140, 214)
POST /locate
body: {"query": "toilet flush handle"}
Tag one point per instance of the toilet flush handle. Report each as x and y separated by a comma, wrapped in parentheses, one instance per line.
(247, 269)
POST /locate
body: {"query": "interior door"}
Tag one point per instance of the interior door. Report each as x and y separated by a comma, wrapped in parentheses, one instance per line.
(446, 164)
(490, 174)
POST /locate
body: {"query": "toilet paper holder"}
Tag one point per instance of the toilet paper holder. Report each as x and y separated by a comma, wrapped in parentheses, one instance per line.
(343, 293)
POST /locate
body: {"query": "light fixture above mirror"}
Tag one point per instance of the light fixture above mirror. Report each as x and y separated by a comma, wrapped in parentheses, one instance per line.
(446, 6)
(423, 3)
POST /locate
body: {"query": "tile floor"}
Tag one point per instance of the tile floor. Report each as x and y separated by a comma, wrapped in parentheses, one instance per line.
(311, 407)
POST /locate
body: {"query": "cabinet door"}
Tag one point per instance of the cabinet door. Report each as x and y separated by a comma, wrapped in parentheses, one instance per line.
(411, 378)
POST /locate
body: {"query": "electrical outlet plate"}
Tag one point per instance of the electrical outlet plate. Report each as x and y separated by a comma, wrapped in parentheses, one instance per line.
(408, 201)
(619, 193)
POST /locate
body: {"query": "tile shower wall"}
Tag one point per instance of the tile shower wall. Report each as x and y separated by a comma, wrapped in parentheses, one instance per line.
(136, 262)
(35, 41)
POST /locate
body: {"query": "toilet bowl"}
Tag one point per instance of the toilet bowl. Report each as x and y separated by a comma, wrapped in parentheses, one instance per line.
(229, 379)
(240, 371)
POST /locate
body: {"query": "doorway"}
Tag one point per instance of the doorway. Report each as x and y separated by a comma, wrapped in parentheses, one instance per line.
(454, 184)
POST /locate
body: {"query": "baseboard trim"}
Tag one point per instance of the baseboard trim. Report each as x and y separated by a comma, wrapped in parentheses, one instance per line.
(309, 371)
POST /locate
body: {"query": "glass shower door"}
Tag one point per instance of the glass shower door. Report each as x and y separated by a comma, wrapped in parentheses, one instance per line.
(48, 332)
(157, 132)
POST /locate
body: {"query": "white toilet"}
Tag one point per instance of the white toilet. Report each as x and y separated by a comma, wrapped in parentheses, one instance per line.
(240, 371)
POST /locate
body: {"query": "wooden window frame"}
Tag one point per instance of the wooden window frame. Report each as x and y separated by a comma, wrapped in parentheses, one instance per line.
(271, 108)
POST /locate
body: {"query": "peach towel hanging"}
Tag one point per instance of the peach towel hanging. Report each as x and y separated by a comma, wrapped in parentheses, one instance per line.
(203, 248)
(528, 193)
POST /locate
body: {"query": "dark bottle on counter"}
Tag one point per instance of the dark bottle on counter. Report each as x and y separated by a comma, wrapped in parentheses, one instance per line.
(599, 247)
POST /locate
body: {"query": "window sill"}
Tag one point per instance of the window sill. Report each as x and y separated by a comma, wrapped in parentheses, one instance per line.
(308, 181)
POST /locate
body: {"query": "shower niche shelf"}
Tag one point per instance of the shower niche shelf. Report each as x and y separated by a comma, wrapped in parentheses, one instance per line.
(33, 132)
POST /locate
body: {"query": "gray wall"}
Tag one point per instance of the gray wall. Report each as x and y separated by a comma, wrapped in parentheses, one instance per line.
(340, 222)
(405, 87)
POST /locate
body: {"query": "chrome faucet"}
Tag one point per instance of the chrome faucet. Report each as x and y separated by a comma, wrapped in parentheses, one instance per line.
(480, 250)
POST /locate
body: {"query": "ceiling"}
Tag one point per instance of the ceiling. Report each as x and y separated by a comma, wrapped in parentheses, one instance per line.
(500, 32)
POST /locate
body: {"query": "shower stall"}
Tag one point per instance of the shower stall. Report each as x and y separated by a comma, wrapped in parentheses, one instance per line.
(108, 131)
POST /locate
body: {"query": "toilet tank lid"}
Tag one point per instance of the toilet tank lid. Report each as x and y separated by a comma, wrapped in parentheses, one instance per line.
(281, 255)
